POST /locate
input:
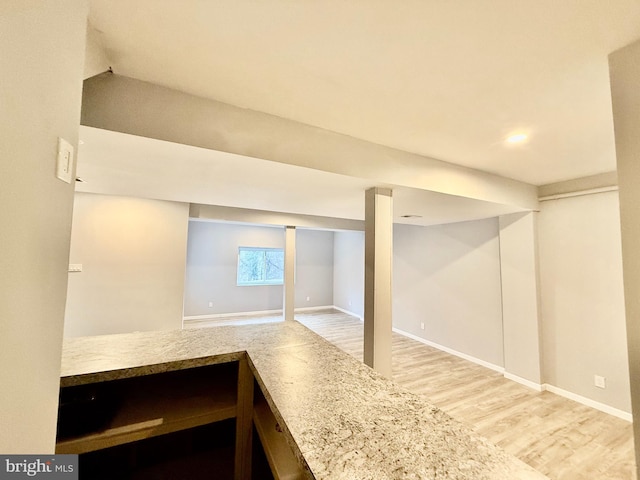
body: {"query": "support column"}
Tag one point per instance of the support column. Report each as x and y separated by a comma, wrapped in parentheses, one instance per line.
(378, 252)
(289, 288)
(624, 73)
(520, 317)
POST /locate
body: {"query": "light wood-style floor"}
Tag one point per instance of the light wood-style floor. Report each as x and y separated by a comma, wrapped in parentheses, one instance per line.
(559, 437)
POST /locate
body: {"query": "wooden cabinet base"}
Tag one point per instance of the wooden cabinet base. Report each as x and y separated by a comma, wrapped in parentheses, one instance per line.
(283, 463)
(114, 421)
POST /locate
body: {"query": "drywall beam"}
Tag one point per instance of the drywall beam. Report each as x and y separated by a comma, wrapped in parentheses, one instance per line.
(378, 256)
(262, 217)
(624, 72)
(582, 184)
(289, 290)
(122, 104)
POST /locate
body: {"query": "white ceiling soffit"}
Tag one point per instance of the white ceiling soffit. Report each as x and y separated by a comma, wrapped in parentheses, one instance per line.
(120, 164)
(445, 79)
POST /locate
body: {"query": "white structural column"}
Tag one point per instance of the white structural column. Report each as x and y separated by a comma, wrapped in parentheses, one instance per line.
(289, 289)
(624, 72)
(520, 319)
(378, 254)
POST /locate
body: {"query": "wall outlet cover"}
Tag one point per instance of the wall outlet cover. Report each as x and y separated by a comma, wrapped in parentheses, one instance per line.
(600, 382)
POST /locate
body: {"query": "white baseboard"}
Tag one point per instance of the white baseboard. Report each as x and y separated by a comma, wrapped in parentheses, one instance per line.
(528, 383)
(523, 381)
(313, 309)
(231, 314)
(589, 403)
(251, 314)
(349, 313)
(475, 360)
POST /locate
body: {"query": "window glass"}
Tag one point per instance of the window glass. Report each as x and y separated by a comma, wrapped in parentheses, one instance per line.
(260, 266)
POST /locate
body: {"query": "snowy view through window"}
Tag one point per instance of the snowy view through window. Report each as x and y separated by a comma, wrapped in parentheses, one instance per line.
(260, 266)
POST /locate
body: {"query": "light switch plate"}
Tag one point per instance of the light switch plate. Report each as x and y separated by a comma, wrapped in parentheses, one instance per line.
(64, 164)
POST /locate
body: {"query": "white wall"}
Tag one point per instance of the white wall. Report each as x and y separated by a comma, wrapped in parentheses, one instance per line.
(314, 268)
(448, 277)
(41, 65)
(95, 60)
(348, 272)
(133, 255)
(212, 269)
(582, 301)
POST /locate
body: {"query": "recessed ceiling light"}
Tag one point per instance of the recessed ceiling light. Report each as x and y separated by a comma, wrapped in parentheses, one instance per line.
(517, 138)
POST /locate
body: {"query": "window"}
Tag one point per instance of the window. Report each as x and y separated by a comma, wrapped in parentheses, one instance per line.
(260, 266)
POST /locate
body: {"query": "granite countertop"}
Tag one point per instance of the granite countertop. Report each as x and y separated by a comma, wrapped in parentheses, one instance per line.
(344, 420)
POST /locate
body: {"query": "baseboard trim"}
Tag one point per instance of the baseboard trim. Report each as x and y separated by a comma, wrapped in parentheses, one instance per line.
(589, 403)
(313, 309)
(231, 314)
(523, 381)
(349, 313)
(251, 314)
(475, 360)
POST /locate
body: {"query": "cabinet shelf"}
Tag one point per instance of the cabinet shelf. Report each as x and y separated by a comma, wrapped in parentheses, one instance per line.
(158, 404)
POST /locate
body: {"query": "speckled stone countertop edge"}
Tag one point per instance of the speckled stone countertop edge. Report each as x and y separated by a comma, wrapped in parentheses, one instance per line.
(73, 380)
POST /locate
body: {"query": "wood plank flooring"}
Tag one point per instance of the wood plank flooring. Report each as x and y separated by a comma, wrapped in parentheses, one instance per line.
(559, 437)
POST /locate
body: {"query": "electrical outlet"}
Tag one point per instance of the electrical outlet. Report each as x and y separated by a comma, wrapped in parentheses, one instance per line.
(599, 381)
(75, 267)
(210, 304)
(421, 325)
(308, 298)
